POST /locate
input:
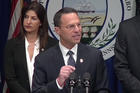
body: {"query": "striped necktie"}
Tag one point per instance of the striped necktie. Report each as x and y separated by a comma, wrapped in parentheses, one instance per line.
(71, 60)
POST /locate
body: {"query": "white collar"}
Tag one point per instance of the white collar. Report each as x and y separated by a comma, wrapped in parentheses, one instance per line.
(65, 50)
(36, 42)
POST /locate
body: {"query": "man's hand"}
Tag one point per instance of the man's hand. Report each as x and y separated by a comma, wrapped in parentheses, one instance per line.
(64, 74)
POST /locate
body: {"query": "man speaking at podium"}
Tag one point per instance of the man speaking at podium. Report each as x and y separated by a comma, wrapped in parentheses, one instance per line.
(54, 66)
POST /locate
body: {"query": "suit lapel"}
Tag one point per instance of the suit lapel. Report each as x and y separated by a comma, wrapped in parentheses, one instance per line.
(81, 60)
(58, 56)
(22, 53)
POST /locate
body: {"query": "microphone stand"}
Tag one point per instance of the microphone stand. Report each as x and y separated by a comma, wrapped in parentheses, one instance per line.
(87, 89)
(72, 82)
(79, 84)
(86, 83)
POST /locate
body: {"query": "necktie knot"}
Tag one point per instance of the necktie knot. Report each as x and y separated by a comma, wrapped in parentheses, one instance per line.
(71, 60)
(70, 53)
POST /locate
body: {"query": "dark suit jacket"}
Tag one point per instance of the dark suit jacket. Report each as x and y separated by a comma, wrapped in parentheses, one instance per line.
(127, 55)
(48, 64)
(15, 65)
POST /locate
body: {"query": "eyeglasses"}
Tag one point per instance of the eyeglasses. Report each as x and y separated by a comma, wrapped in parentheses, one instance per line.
(72, 26)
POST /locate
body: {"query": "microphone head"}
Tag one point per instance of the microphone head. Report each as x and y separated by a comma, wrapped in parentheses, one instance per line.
(72, 76)
(86, 79)
(86, 76)
(72, 79)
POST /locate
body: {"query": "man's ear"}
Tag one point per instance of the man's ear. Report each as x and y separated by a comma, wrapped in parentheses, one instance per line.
(57, 30)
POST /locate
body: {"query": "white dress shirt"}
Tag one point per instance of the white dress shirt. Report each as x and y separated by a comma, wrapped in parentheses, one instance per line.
(30, 63)
(64, 51)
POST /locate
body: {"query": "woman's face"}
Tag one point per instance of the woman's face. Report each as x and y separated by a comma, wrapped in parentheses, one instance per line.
(31, 22)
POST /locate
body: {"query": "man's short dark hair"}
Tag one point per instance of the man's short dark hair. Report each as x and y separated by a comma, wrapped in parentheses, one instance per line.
(57, 16)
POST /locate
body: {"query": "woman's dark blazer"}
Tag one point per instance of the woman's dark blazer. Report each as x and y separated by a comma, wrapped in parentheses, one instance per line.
(15, 65)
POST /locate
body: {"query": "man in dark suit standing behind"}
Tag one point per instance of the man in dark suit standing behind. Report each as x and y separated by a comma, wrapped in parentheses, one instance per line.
(52, 71)
(127, 55)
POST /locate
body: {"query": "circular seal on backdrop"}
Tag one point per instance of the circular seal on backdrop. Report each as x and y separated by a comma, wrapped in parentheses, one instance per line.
(99, 18)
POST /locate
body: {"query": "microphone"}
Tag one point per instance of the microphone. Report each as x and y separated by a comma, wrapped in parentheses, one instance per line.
(79, 82)
(72, 81)
(86, 81)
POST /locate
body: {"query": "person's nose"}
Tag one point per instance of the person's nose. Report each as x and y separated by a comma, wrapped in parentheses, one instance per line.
(29, 20)
(77, 28)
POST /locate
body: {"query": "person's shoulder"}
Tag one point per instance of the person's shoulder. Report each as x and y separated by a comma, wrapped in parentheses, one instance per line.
(54, 40)
(89, 49)
(135, 19)
(50, 51)
(12, 41)
(51, 42)
(53, 48)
